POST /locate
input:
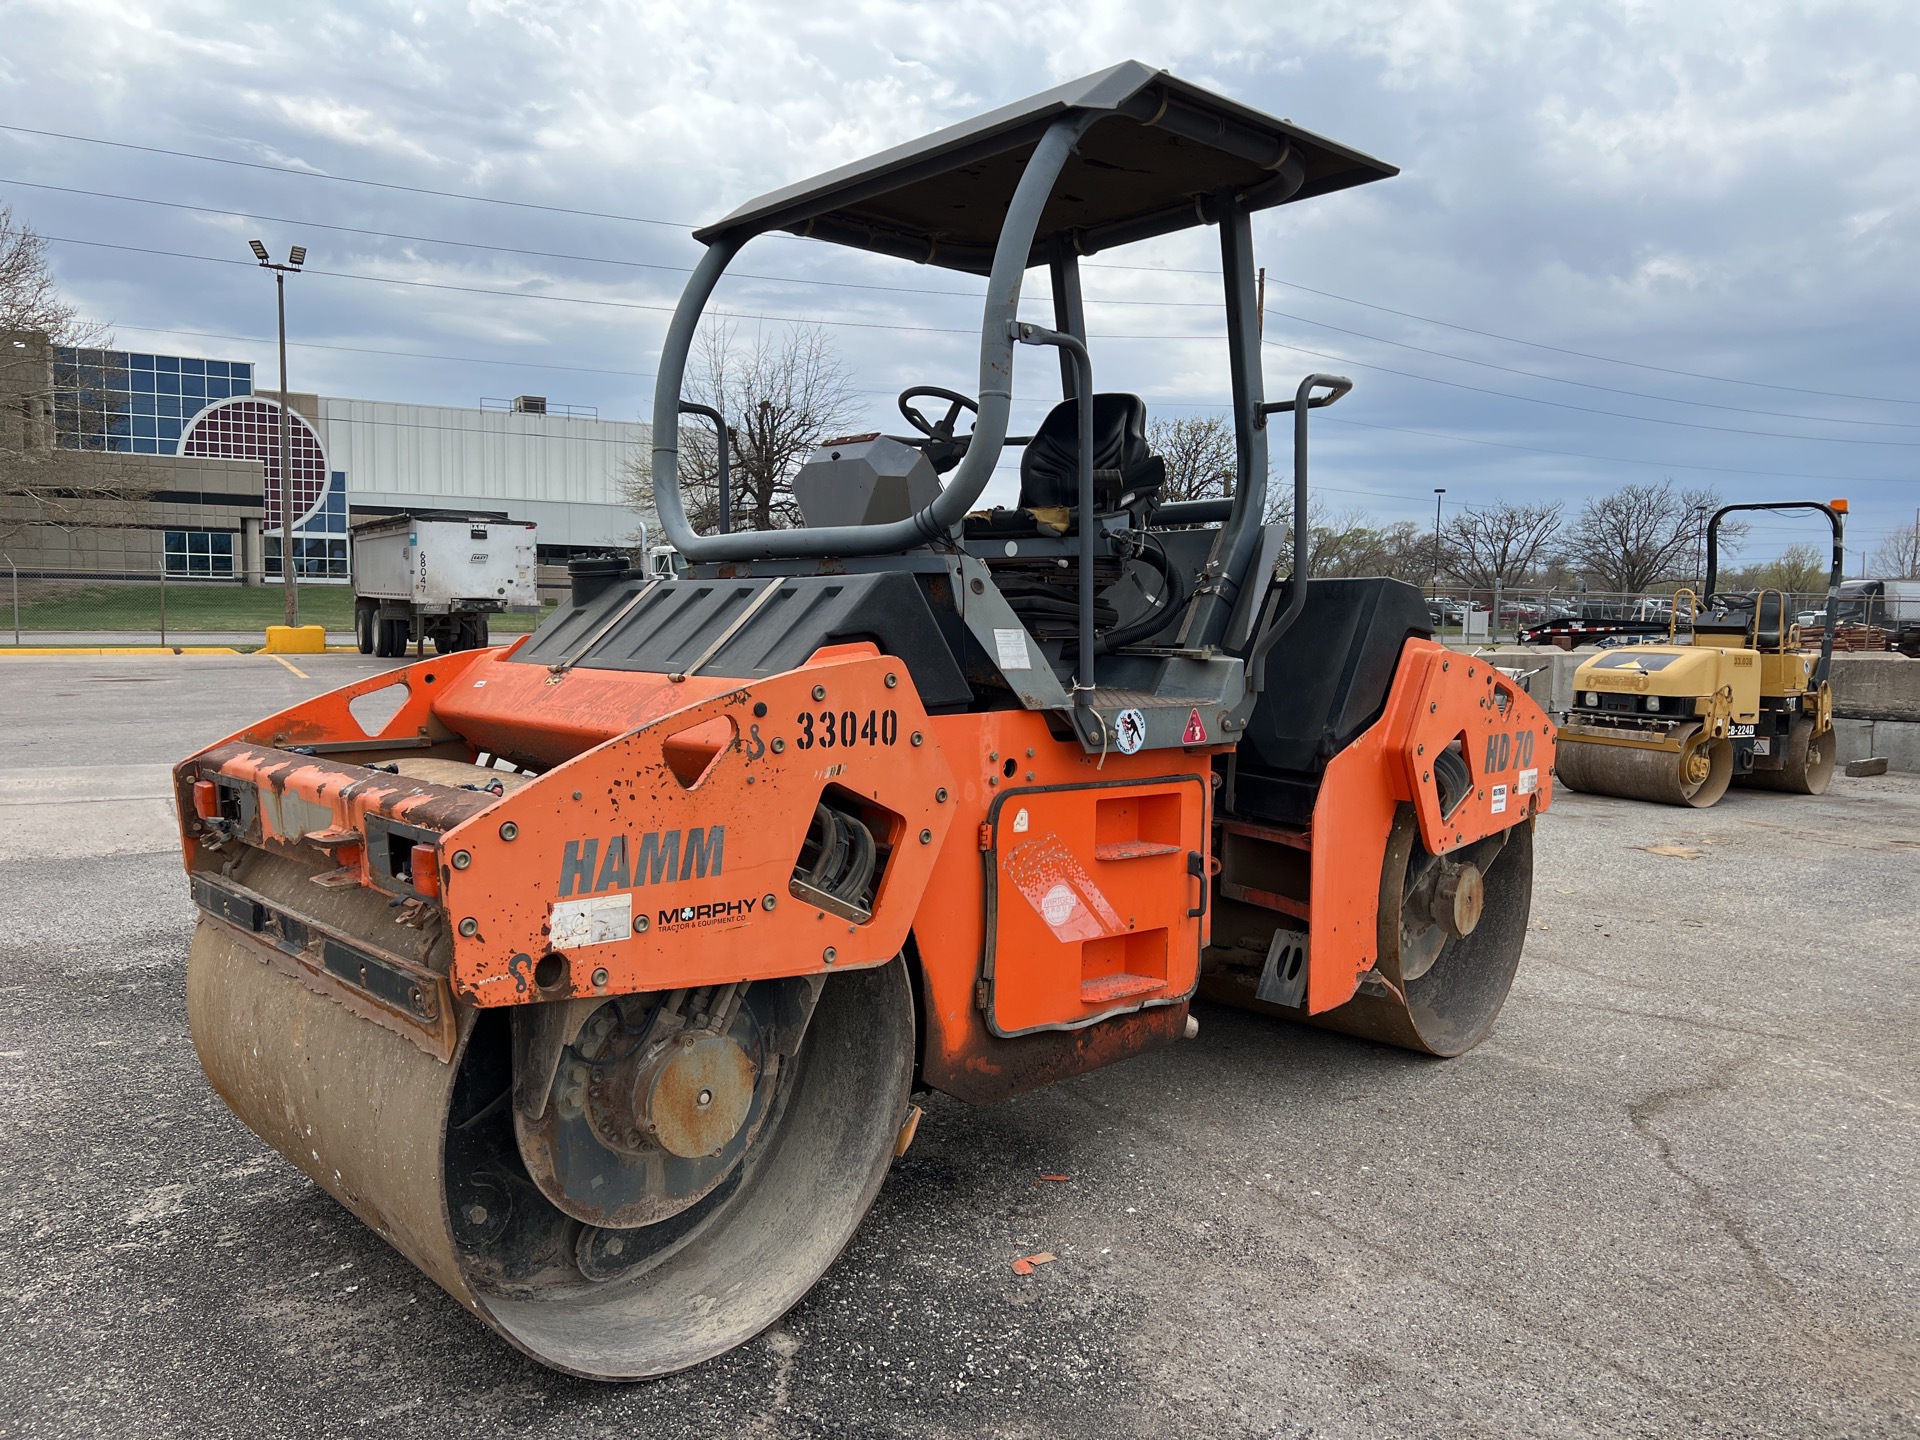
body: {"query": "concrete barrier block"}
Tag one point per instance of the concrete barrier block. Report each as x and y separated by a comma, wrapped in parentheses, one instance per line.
(1877, 687)
(1895, 741)
(296, 640)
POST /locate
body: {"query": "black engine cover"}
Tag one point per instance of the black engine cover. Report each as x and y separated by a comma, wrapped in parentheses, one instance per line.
(1326, 681)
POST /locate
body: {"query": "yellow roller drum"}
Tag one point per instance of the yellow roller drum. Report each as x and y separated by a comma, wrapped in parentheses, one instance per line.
(1695, 774)
(1806, 760)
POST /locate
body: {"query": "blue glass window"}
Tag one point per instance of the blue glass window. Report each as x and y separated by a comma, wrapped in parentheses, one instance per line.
(200, 554)
(144, 427)
(193, 367)
(194, 386)
(167, 364)
(145, 447)
(169, 429)
(243, 387)
(141, 404)
(120, 443)
(141, 380)
(218, 389)
(140, 362)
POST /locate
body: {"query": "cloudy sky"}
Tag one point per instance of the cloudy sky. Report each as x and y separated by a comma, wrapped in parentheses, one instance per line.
(1629, 240)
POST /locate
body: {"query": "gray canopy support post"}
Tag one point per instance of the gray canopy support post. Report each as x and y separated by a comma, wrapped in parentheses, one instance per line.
(1073, 350)
(969, 480)
(1069, 311)
(1226, 569)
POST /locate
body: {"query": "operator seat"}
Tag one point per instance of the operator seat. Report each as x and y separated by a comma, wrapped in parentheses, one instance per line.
(1126, 476)
(1769, 620)
(1122, 464)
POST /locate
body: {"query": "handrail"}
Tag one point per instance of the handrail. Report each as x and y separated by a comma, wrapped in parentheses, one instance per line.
(1673, 615)
(1301, 403)
(723, 441)
(969, 479)
(1075, 349)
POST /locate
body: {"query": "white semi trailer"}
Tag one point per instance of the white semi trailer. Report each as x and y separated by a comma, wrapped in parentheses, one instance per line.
(418, 578)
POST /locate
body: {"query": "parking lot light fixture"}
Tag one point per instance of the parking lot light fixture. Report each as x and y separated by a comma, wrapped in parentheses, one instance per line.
(296, 257)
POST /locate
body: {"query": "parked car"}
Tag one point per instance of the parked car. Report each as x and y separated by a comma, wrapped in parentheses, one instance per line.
(1808, 619)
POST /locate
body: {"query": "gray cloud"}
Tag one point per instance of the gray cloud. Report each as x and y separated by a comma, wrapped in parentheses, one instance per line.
(1723, 189)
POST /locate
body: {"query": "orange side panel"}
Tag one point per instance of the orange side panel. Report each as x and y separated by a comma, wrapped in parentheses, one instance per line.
(614, 873)
(1097, 892)
(960, 1053)
(1438, 697)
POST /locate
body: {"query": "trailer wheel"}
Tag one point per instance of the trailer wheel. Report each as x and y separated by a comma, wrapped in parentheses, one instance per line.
(390, 637)
(365, 617)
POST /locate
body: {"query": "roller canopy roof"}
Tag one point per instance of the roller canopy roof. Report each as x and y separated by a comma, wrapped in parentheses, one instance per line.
(1158, 147)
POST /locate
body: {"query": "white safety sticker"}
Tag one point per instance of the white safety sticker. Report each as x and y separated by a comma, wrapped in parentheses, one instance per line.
(1020, 821)
(594, 921)
(1129, 730)
(1528, 783)
(1499, 799)
(1763, 746)
(1011, 649)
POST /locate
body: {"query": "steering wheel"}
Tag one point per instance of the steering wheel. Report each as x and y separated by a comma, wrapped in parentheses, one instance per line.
(944, 429)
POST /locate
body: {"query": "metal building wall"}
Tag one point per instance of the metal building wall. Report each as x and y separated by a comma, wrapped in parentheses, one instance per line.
(563, 473)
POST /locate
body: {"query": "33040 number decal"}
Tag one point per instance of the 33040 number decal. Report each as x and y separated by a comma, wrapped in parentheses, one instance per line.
(831, 729)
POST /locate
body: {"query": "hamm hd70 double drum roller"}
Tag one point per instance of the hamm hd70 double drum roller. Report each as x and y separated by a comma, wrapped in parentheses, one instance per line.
(596, 973)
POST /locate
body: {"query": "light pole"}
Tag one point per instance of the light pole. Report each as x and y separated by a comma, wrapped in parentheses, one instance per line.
(296, 257)
(1438, 491)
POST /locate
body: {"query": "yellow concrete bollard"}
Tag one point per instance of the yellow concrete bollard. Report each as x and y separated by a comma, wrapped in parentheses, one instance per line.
(296, 640)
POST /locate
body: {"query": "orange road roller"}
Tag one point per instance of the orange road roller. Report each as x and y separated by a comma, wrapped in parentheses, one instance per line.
(597, 973)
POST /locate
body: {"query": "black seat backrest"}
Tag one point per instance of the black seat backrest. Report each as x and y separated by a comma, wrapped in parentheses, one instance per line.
(1769, 620)
(1049, 471)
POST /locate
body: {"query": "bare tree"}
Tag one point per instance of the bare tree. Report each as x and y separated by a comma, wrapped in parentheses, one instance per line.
(1201, 455)
(59, 379)
(782, 396)
(1797, 570)
(1898, 557)
(1633, 537)
(1499, 544)
(1350, 547)
(1343, 543)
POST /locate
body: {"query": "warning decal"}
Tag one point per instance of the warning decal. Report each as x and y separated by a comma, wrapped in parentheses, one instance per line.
(1196, 729)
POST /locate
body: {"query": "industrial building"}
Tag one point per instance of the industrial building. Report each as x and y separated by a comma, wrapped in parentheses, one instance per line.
(116, 460)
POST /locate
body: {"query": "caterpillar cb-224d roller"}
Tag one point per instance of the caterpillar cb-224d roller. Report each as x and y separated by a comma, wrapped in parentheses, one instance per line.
(596, 974)
(1731, 698)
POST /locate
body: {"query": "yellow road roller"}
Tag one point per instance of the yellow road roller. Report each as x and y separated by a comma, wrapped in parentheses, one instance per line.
(1730, 698)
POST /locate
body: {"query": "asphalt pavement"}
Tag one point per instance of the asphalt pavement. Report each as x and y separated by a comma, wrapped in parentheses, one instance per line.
(1676, 1193)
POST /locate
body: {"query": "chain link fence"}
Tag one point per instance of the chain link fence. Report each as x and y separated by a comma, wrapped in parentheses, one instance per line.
(1495, 614)
(155, 606)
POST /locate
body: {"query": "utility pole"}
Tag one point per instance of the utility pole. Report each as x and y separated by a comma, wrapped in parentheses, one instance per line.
(296, 257)
(1438, 491)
